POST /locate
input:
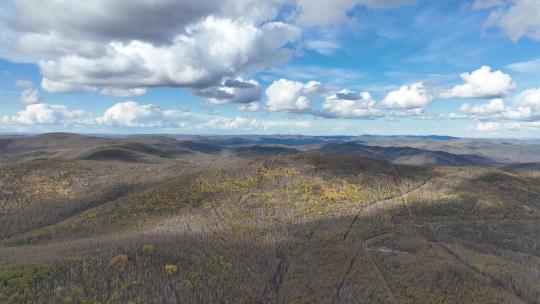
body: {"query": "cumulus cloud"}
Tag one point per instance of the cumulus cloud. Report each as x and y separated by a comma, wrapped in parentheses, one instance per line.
(495, 106)
(523, 113)
(526, 106)
(232, 91)
(102, 46)
(497, 127)
(291, 96)
(120, 20)
(47, 114)
(30, 96)
(292, 124)
(349, 104)
(132, 114)
(520, 18)
(209, 51)
(236, 123)
(482, 83)
(529, 98)
(488, 126)
(409, 99)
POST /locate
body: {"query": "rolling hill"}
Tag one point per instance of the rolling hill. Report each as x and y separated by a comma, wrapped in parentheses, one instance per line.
(182, 220)
(407, 155)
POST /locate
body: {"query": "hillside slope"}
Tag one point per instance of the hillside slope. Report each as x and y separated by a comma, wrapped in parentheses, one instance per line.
(301, 228)
(407, 155)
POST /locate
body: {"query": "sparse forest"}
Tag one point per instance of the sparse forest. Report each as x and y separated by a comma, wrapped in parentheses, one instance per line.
(164, 220)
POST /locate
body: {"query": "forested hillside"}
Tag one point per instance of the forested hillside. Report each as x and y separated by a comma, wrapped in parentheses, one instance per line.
(162, 220)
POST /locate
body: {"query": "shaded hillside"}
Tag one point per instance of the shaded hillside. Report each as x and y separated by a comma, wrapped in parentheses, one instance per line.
(133, 152)
(287, 140)
(525, 166)
(504, 151)
(201, 147)
(256, 150)
(113, 154)
(407, 155)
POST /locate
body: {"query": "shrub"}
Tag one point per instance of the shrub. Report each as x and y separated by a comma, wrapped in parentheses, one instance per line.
(148, 249)
(170, 268)
(119, 262)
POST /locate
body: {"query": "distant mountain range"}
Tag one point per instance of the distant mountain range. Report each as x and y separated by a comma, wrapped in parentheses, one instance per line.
(412, 150)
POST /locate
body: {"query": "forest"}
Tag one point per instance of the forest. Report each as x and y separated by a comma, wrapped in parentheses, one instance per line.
(165, 219)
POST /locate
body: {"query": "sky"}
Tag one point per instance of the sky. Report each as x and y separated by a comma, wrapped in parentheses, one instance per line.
(467, 68)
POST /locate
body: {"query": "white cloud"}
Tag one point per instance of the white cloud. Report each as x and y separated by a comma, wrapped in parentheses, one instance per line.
(232, 91)
(529, 98)
(495, 106)
(236, 123)
(23, 83)
(46, 114)
(488, 126)
(210, 50)
(521, 18)
(121, 20)
(497, 127)
(526, 106)
(117, 92)
(325, 47)
(412, 98)
(291, 96)
(132, 114)
(292, 124)
(524, 110)
(225, 123)
(482, 83)
(349, 104)
(103, 46)
(415, 112)
(526, 67)
(30, 96)
(245, 123)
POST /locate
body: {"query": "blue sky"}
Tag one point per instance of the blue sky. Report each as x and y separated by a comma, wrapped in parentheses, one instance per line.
(321, 67)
